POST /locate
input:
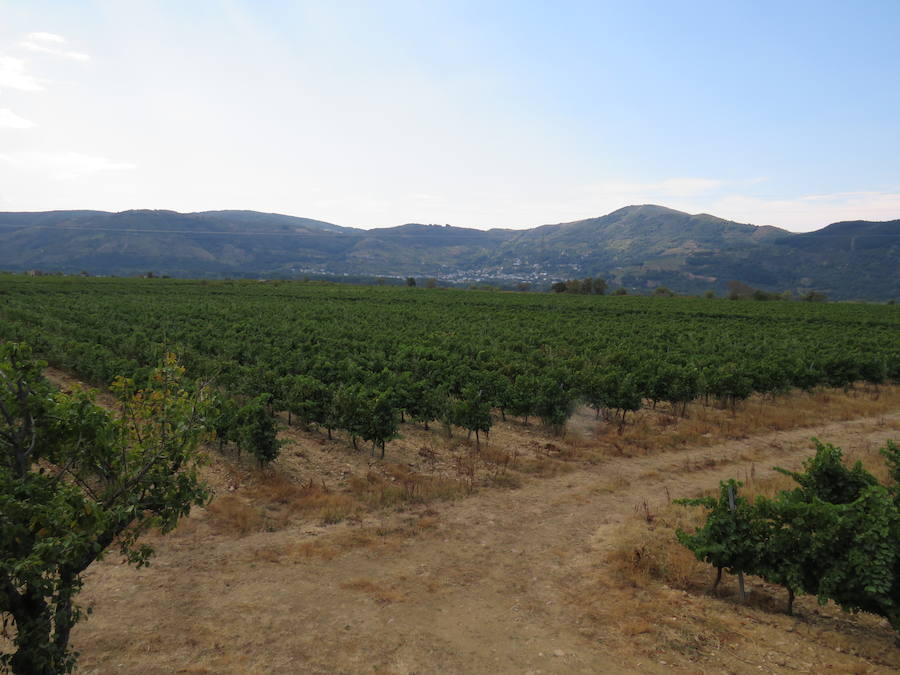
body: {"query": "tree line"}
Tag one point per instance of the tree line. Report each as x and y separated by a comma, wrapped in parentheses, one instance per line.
(586, 286)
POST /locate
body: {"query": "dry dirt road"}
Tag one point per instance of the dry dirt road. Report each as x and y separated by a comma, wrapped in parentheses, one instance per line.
(493, 583)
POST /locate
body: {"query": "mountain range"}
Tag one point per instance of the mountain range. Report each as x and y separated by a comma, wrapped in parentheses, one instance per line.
(638, 247)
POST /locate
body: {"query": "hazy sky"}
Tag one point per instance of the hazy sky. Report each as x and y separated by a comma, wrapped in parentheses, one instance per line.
(482, 114)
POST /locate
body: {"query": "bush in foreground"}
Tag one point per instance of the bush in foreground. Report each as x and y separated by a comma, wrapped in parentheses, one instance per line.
(75, 481)
(835, 536)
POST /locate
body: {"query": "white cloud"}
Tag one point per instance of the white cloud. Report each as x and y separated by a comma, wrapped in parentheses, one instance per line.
(46, 37)
(9, 120)
(50, 43)
(14, 75)
(63, 165)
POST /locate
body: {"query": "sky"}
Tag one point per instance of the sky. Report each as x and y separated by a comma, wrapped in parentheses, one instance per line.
(478, 114)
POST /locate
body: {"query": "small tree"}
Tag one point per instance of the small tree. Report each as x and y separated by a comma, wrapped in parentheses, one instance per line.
(256, 430)
(472, 411)
(222, 419)
(348, 411)
(305, 397)
(617, 391)
(382, 420)
(554, 399)
(814, 296)
(738, 290)
(730, 383)
(411, 282)
(682, 385)
(522, 397)
(730, 538)
(75, 479)
(425, 401)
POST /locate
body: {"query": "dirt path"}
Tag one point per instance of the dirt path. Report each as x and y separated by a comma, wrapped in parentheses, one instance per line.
(484, 584)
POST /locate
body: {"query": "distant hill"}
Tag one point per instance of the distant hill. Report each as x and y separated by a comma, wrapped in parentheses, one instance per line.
(639, 247)
(210, 243)
(849, 236)
(634, 233)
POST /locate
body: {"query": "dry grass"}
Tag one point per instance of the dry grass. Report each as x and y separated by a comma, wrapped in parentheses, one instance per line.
(390, 534)
(272, 502)
(234, 515)
(378, 593)
(651, 431)
(391, 484)
(648, 552)
(286, 499)
(559, 456)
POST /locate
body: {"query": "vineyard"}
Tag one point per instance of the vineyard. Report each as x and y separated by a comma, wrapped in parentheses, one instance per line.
(361, 360)
(591, 406)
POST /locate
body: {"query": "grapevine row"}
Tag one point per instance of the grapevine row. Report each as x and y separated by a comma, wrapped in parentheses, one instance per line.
(361, 359)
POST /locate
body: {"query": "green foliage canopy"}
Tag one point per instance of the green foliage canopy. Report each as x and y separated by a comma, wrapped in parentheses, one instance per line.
(74, 480)
(836, 536)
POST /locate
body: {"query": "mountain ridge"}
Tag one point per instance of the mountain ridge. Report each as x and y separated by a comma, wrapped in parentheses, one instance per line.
(637, 246)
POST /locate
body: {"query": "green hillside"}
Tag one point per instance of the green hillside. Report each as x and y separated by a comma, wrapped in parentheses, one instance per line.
(639, 247)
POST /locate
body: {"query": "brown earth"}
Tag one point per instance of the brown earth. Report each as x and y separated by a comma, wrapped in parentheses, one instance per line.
(518, 558)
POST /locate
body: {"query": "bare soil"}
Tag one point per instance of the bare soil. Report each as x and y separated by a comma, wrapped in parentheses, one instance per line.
(444, 559)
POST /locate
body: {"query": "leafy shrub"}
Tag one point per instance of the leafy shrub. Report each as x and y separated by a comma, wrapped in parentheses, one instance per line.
(836, 536)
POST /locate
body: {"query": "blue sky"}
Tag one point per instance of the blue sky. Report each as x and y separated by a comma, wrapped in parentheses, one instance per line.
(481, 114)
